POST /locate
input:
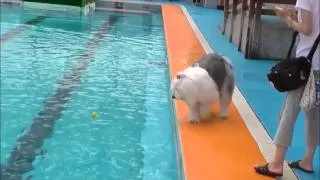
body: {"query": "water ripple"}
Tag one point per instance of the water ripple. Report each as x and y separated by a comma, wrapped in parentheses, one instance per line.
(126, 85)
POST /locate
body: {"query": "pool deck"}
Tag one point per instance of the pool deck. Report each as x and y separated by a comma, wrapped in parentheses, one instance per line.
(227, 149)
(211, 148)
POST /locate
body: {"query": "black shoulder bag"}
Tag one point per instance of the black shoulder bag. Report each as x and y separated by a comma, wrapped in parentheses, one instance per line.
(292, 73)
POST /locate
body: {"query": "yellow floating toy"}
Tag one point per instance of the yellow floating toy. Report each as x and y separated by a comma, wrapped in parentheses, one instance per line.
(94, 115)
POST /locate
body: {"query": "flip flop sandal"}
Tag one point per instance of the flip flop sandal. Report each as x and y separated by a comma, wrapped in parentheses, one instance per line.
(295, 165)
(264, 170)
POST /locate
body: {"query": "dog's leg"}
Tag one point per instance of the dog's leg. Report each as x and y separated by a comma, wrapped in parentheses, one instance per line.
(223, 108)
(194, 110)
(226, 97)
(205, 110)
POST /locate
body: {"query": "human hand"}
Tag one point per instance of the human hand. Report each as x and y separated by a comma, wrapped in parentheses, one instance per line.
(285, 14)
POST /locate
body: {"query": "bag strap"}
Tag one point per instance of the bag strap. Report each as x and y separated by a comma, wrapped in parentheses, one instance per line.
(293, 41)
(314, 48)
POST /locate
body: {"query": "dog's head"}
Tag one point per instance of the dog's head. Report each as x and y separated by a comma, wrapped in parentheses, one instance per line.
(176, 86)
(184, 85)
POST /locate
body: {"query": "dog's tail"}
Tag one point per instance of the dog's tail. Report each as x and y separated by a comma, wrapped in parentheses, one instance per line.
(228, 61)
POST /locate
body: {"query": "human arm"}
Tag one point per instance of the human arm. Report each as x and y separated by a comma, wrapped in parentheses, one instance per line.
(303, 26)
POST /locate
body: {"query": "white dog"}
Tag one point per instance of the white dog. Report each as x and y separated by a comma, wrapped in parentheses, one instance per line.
(209, 80)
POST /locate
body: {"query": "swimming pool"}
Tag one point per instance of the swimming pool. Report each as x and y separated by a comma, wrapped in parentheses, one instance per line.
(58, 69)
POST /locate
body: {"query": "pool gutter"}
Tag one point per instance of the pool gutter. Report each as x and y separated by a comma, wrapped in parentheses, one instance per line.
(175, 127)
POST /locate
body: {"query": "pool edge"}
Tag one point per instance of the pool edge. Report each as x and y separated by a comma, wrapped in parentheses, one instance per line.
(182, 170)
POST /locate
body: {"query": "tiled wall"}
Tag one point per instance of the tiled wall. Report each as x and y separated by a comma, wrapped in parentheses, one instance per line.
(79, 3)
(10, 1)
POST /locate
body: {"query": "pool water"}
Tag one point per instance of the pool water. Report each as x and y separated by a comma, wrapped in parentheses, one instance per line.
(59, 69)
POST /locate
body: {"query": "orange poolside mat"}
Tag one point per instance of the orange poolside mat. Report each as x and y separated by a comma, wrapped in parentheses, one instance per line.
(215, 149)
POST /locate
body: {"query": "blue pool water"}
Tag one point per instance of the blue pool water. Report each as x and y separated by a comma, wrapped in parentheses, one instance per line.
(57, 70)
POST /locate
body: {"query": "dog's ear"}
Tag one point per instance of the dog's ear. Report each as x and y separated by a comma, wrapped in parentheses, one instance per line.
(180, 75)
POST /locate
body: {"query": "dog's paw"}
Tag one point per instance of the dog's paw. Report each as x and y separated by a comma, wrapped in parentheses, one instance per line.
(194, 121)
(223, 114)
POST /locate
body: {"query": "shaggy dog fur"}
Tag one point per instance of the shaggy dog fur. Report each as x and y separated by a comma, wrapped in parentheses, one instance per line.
(209, 80)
